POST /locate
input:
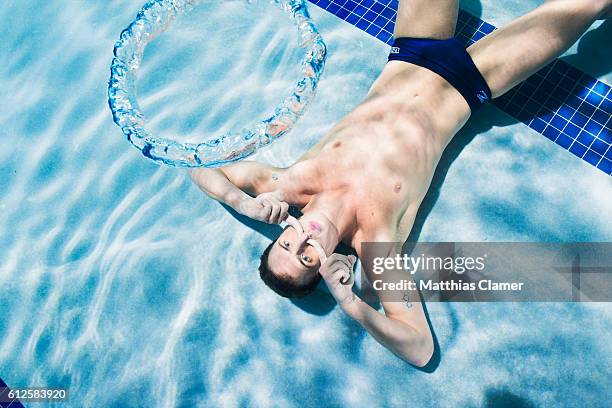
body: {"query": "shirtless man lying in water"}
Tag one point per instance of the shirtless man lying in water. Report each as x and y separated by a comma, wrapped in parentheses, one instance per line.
(364, 181)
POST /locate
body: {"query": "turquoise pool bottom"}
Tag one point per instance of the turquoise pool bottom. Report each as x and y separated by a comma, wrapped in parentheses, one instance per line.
(121, 275)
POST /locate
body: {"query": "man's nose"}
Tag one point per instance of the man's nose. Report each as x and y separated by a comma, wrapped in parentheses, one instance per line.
(302, 238)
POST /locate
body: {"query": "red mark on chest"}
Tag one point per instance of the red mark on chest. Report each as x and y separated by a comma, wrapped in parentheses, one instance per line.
(336, 144)
(397, 187)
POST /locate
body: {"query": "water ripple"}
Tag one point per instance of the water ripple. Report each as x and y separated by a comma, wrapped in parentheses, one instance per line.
(120, 275)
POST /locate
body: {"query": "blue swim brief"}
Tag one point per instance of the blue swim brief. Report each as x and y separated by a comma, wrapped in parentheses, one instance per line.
(447, 58)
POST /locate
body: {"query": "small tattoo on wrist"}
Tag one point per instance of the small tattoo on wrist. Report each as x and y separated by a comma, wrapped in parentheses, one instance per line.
(407, 301)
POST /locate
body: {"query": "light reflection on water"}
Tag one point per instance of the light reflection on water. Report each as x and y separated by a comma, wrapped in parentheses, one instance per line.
(119, 275)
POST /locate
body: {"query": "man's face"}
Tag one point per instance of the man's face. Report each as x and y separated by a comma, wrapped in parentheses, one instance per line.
(294, 253)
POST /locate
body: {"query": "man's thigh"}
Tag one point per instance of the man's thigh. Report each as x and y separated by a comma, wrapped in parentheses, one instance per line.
(514, 52)
(426, 18)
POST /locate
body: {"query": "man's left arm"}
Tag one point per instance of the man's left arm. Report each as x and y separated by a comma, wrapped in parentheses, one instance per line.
(403, 328)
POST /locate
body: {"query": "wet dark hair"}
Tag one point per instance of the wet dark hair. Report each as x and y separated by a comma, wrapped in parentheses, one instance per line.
(283, 285)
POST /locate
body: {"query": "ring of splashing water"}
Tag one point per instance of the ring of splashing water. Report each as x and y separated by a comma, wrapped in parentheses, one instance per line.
(153, 19)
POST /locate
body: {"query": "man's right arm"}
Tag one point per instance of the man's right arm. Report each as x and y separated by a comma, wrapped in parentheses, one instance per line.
(216, 185)
(236, 184)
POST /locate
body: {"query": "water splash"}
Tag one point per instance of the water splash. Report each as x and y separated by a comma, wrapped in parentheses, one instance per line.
(154, 18)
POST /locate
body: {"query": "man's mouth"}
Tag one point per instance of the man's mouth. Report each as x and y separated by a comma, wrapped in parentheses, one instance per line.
(314, 227)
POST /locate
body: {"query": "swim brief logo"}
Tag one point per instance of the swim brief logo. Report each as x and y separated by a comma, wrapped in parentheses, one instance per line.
(482, 96)
(395, 50)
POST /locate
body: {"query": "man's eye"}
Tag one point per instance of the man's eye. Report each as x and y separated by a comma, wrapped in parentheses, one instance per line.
(306, 258)
(286, 244)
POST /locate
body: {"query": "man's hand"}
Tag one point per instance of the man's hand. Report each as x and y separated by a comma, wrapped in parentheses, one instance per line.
(266, 207)
(337, 271)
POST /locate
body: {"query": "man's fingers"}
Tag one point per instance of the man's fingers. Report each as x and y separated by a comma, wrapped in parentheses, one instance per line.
(272, 210)
(345, 275)
(332, 276)
(341, 274)
(275, 213)
(337, 258)
(327, 268)
(330, 268)
(284, 212)
(348, 279)
(280, 210)
(320, 251)
(340, 268)
(259, 200)
(276, 210)
(264, 211)
(340, 277)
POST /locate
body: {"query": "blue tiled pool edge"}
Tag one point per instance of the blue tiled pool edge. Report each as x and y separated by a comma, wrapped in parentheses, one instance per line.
(13, 404)
(564, 104)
